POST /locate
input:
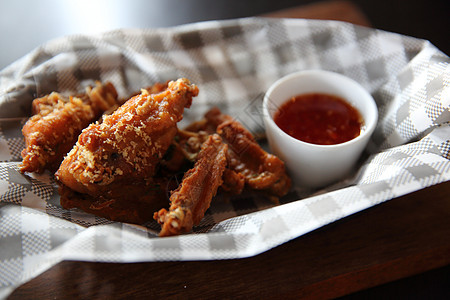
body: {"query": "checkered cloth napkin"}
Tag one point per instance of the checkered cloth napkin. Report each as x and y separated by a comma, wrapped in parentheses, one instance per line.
(233, 62)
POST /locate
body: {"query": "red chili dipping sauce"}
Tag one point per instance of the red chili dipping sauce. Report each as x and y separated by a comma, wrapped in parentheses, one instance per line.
(319, 119)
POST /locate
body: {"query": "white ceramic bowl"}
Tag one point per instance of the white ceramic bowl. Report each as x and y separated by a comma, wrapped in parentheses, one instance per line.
(312, 165)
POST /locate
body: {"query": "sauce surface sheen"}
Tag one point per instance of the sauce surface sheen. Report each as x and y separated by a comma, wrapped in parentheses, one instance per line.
(319, 119)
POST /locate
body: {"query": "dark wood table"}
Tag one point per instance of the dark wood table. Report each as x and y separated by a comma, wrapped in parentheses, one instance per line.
(397, 239)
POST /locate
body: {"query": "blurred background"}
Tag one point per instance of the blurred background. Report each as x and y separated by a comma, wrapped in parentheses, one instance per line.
(26, 24)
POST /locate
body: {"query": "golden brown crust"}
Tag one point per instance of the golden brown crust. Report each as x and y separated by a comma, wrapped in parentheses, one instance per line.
(128, 145)
(248, 164)
(261, 170)
(102, 97)
(190, 201)
(57, 121)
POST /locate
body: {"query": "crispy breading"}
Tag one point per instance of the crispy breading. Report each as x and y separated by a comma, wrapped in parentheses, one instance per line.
(261, 170)
(57, 121)
(248, 164)
(189, 202)
(125, 149)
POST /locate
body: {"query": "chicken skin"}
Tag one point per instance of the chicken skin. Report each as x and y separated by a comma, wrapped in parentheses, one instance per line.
(126, 148)
(260, 170)
(248, 164)
(189, 202)
(57, 121)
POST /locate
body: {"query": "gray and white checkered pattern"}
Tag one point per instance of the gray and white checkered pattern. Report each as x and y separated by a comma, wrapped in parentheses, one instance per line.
(233, 62)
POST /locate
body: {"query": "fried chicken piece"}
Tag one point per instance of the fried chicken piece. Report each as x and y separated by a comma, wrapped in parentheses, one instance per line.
(190, 201)
(156, 88)
(261, 170)
(57, 121)
(128, 145)
(248, 164)
(102, 97)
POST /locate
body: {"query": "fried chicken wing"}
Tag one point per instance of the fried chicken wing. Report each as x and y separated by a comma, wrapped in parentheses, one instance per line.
(123, 166)
(125, 149)
(190, 201)
(248, 164)
(260, 170)
(156, 88)
(57, 121)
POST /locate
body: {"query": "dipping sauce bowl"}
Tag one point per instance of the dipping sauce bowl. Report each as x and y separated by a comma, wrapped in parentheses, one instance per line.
(315, 165)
